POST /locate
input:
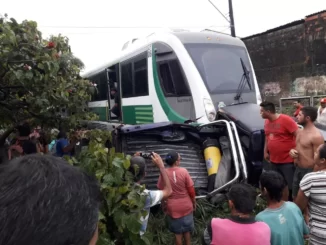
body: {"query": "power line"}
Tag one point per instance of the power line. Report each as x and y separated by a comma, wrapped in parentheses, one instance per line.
(219, 11)
(122, 27)
(226, 29)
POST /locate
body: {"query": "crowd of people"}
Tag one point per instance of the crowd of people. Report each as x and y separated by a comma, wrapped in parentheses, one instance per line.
(293, 184)
(27, 141)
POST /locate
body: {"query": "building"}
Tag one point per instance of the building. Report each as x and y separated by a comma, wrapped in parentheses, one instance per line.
(290, 60)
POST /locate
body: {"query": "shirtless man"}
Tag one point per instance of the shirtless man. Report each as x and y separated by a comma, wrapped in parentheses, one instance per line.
(307, 141)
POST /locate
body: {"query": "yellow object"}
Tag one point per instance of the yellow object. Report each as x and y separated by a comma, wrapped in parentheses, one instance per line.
(213, 157)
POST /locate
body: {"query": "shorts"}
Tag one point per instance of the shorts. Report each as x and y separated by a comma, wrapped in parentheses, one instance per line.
(299, 173)
(286, 170)
(181, 225)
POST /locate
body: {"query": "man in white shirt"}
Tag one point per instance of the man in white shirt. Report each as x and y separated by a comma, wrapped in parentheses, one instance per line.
(321, 118)
(154, 197)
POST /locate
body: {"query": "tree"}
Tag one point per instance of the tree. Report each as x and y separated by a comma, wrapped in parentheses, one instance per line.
(39, 78)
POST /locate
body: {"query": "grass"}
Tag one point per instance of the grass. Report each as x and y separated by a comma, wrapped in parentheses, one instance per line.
(205, 211)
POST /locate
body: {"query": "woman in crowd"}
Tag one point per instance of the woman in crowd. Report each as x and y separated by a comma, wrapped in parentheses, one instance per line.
(180, 205)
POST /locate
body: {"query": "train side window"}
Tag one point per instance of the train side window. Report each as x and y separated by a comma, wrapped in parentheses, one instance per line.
(172, 79)
(180, 85)
(126, 80)
(141, 77)
(102, 87)
(166, 79)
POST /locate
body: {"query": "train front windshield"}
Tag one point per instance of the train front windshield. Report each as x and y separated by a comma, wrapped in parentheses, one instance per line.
(220, 67)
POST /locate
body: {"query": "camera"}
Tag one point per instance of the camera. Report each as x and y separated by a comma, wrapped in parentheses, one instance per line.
(146, 155)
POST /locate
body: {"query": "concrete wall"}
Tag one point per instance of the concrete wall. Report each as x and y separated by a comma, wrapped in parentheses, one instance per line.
(291, 60)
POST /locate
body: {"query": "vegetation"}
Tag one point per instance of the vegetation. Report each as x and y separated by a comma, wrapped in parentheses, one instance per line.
(123, 202)
(39, 78)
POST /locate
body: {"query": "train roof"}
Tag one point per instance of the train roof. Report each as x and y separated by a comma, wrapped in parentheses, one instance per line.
(205, 36)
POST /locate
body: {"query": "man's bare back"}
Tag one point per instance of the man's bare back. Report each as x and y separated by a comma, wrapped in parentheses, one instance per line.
(307, 142)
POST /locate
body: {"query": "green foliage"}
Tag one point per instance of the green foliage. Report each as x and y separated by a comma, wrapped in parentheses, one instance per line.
(123, 202)
(38, 77)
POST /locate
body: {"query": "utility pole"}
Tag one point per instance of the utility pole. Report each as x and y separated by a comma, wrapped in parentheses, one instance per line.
(231, 19)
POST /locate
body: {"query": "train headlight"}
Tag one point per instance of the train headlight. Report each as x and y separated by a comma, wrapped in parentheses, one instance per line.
(210, 110)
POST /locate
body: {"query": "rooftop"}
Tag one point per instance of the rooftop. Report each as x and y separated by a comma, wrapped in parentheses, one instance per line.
(323, 11)
(294, 23)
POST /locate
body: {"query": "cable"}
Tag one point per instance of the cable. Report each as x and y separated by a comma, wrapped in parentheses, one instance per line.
(122, 27)
(219, 11)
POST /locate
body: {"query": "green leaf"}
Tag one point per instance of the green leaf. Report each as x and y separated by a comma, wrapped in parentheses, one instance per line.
(126, 164)
(147, 238)
(108, 179)
(119, 218)
(133, 224)
(29, 75)
(41, 66)
(100, 173)
(123, 189)
(116, 162)
(101, 216)
(19, 74)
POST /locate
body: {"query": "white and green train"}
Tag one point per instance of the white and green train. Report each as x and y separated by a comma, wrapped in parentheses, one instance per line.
(175, 76)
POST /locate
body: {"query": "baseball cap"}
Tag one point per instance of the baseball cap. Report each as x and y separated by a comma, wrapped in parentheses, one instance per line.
(323, 100)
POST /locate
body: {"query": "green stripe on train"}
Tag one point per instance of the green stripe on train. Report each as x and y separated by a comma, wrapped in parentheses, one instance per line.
(138, 114)
(102, 112)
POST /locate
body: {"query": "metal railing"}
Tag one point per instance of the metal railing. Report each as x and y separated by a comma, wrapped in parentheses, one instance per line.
(294, 98)
(312, 101)
(242, 158)
(310, 98)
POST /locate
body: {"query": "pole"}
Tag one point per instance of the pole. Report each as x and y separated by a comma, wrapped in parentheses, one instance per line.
(231, 19)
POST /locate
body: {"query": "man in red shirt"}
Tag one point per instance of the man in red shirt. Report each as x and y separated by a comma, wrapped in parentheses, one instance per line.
(280, 133)
(297, 105)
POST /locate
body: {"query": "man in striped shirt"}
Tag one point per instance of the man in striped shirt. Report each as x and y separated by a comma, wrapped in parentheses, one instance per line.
(312, 193)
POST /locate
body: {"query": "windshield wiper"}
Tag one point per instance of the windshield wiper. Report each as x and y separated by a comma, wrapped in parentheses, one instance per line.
(245, 78)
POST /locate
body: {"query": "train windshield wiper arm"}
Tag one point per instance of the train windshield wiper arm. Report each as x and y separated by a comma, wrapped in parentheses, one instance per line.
(244, 79)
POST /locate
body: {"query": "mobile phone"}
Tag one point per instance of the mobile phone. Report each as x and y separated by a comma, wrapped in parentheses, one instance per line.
(146, 155)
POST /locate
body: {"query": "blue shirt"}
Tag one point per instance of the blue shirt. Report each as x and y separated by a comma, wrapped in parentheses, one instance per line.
(286, 223)
(61, 143)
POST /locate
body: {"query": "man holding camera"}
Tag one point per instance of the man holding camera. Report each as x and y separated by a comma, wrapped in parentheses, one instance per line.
(138, 169)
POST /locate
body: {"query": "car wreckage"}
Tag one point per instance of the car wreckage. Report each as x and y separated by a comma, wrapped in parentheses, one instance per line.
(216, 154)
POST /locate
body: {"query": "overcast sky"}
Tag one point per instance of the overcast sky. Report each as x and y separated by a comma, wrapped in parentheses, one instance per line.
(97, 29)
